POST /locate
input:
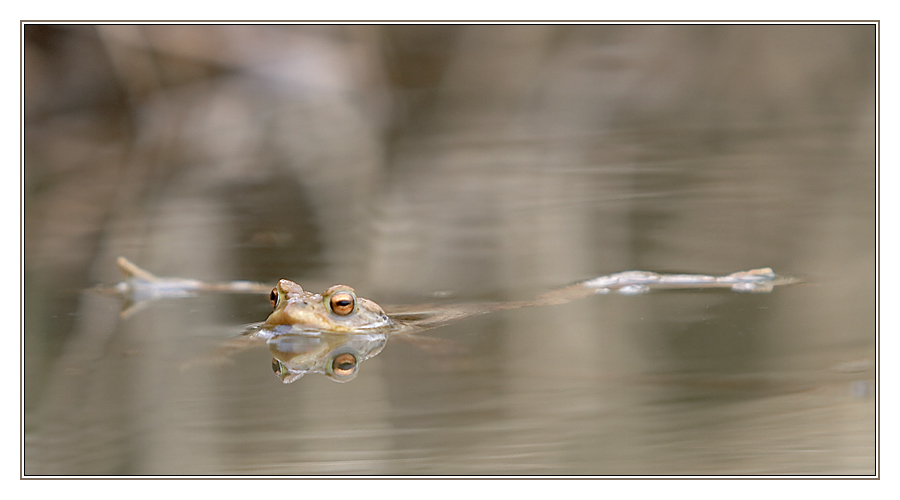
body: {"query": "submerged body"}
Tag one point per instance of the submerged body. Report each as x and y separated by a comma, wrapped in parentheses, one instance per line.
(339, 310)
(333, 331)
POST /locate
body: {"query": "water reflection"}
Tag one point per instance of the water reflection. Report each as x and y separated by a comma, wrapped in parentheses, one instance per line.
(337, 356)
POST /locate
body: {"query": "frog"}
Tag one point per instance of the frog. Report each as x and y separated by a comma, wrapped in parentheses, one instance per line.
(334, 331)
(336, 310)
(330, 332)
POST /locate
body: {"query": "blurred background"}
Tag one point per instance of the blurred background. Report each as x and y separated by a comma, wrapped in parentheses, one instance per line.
(479, 163)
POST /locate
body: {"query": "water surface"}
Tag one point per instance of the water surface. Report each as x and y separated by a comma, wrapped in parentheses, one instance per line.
(478, 164)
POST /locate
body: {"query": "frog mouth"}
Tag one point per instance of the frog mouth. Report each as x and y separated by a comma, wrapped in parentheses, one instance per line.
(305, 319)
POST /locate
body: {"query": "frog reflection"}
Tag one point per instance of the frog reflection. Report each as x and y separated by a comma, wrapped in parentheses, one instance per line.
(335, 355)
(333, 332)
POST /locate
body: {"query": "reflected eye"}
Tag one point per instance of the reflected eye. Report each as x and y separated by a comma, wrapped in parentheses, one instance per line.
(344, 364)
(273, 297)
(277, 367)
(342, 303)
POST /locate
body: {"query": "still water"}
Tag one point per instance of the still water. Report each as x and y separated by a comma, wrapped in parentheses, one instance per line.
(454, 164)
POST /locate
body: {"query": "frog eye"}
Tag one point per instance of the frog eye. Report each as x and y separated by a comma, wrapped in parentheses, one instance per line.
(342, 303)
(273, 297)
(344, 365)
